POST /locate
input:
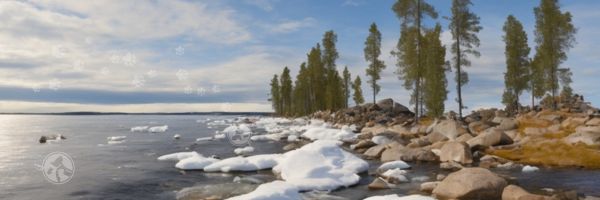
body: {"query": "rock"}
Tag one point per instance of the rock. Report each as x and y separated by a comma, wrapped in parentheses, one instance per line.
(399, 152)
(391, 152)
(374, 152)
(435, 136)
(418, 142)
(535, 131)
(551, 117)
(374, 130)
(477, 127)
(593, 122)
(451, 166)
(488, 138)
(429, 186)
(450, 128)
(512, 134)
(386, 104)
(471, 183)
(364, 135)
(566, 195)
(440, 177)
(573, 122)
(363, 144)
(399, 108)
(507, 124)
(378, 184)
(43, 139)
(456, 151)
(464, 138)
(214, 191)
(513, 192)
(589, 135)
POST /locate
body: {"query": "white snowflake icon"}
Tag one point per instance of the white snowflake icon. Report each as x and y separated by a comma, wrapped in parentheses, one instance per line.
(216, 89)
(188, 90)
(182, 75)
(138, 81)
(54, 84)
(179, 50)
(151, 73)
(201, 91)
(129, 59)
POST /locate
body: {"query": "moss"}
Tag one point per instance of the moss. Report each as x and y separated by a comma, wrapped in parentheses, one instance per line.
(554, 153)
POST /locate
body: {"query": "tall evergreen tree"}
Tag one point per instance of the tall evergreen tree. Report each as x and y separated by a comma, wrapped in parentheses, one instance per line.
(358, 95)
(536, 78)
(286, 92)
(564, 75)
(464, 26)
(372, 51)
(434, 80)
(275, 95)
(347, 81)
(408, 51)
(517, 62)
(333, 87)
(301, 93)
(317, 79)
(554, 36)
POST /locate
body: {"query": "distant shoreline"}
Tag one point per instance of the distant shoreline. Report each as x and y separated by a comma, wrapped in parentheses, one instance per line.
(151, 113)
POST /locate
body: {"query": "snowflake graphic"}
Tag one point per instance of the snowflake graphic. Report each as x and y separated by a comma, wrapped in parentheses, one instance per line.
(201, 91)
(138, 81)
(179, 50)
(59, 51)
(78, 65)
(129, 59)
(182, 75)
(216, 89)
(151, 73)
(54, 84)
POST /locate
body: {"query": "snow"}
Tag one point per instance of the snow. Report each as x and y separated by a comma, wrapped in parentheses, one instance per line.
(529, 168)
(321, 165)
(251, 163)
(195, 162)
(243, 150)
(220, 136)
(266, 137)
(276, 190)
(292, 138)
(380, 139)
(116, 138)
(177, 156)
(177, 136)
(393, 165)
(324, 133)
(396, 174)
(396, 197)
(158, 129)
(204, 139)
(235, 129)
(139, 129)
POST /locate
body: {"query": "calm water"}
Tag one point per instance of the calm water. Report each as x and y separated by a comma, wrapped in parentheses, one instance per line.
(129, 170)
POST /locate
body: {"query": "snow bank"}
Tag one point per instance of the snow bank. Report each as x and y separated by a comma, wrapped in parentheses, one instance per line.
(177, 156)
(321, 165)
(158, 129)
(243, 150)
(323, 133)
(195, 162)
(529, 168)
(116, 138)
(276, 190)
(251, 163)
(393, 165)
(396, 197)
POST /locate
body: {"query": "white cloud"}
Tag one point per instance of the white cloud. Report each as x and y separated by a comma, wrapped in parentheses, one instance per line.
(43, 107)
(288, 26)
(266, 5)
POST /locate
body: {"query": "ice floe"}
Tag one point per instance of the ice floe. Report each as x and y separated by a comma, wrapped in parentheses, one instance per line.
(177, 156)
(529, 168)
(195, 162)
(276, 190)
(116, 138)
(151, 129)
(251, 163)
(324, 133)
(243, 150)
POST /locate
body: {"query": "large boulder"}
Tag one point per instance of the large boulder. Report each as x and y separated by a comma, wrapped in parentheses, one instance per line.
(535, 131)
(593, 122)
(399, 108)
(374, 152)
(396, 151)
(589, 135)
(378, 184)
(490, 137)
(450, 128)
(471, 183)
(573, 122)
(456, 151)
(386, 104)
(513, 192)
(477, 127)
(507, 124)
(374, 130)
(435, 136)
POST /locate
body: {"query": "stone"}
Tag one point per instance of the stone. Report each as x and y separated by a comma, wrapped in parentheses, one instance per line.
(43, 139)
(418, 142)
(477, 127)
(589, 135)
(374, 152)
(464, 138)
(429, 186)
(471, 183)
(451, 166)
(363, 144)
(386, 104)
(440, 177)
(513, 192)
(378, 184)
(593, 122)
(573, 122)
(399, 108)
(364, 136)
(399, 152)
(435, 136)
(507, 124)
(450, 128)
(535, 131)
(551, 117)
(488, 138)
(374, 130)
(458, 152)
(391, 152)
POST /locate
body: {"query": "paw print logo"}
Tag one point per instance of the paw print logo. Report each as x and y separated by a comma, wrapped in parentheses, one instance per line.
(58, 168)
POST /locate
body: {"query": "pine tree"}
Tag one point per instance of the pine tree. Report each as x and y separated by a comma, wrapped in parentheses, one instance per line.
(517, 63)
(564, 75)
(317, 79)
(408, 51)
(301, 93)
(372, 51)
(554, 36)
(333, 88)
(434, 80)
(286, 92)
(536, 78)
(464, 25)
(347, 82)
(358, 96)
(275, 97)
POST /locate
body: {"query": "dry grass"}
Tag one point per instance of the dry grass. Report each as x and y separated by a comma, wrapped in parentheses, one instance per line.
(425, 121)
(554, 153)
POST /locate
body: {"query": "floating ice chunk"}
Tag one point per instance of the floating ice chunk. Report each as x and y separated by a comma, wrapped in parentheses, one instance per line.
(529, 168)
(393, 165)
(139, 129)
(251, 163)
(321, 165)
(396, 174)
(322, 133)
(176, 136)
(204, 139)
(220, 136)
(195, 162)
(243, 150)
(396, 197)
(116, 138)
(158, 129)
(276, 190)
(420, 179)
(178, 156)
(380, 139)
(266, 137)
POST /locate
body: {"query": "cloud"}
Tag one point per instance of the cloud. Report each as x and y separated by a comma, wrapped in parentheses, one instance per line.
(45, 107)
(288, 26)
(266, 5)
(352, 3)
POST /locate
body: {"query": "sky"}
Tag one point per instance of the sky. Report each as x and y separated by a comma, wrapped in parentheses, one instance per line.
(198, 56)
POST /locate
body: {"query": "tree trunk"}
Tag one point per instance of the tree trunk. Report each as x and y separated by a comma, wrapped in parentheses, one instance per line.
(459, 80)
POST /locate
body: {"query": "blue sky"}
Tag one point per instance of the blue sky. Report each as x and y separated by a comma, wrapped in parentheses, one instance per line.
(175, 56)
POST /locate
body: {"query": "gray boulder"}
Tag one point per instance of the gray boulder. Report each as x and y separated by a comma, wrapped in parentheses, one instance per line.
(471, 183)
(456, 151)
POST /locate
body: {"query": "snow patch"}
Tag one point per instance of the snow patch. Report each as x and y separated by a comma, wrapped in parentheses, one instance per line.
(276, 190)
(177, 156)
(251, 163)
(393, 165)
(195, 162)
(529, 168)
(243, 150)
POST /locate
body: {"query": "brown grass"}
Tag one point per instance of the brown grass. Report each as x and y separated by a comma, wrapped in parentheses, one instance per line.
(554, 153)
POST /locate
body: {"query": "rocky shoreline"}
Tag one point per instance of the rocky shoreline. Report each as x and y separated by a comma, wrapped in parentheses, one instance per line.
(467, 149)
